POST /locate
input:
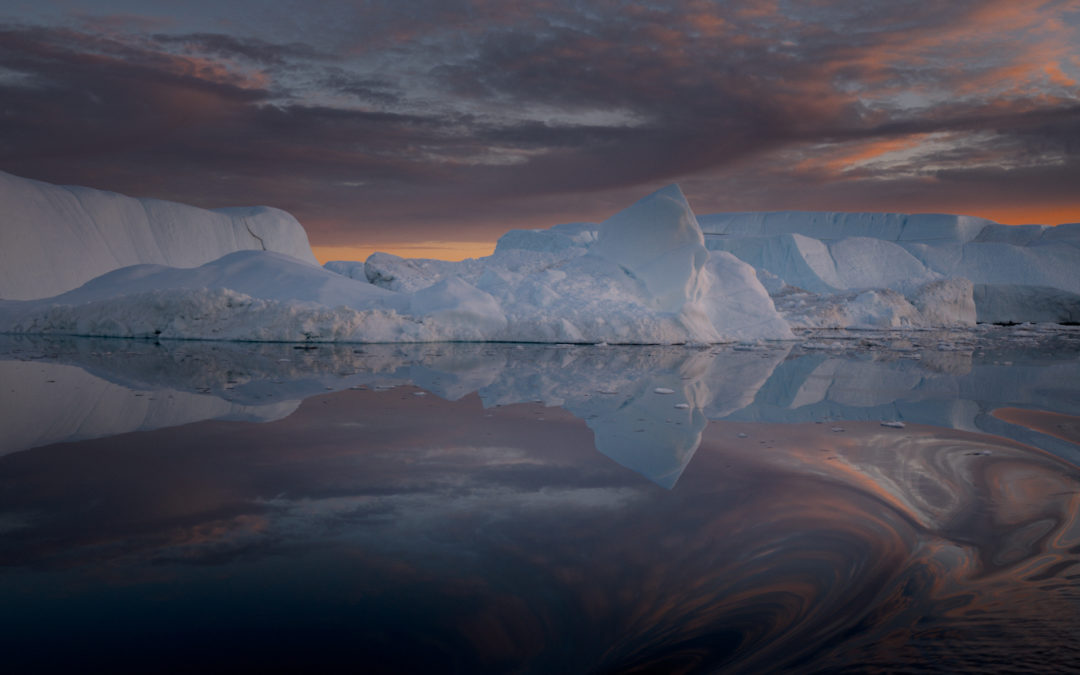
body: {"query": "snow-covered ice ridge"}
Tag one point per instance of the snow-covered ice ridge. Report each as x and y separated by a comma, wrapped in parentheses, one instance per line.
(653, 274)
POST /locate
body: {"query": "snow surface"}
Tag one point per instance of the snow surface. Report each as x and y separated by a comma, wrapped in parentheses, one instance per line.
(650, 274)
(54, 238)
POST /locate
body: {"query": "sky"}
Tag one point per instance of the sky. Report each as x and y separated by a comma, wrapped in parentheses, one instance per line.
(430, 127)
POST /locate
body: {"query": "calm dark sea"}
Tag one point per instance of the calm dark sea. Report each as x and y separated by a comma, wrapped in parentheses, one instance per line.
(877, 503)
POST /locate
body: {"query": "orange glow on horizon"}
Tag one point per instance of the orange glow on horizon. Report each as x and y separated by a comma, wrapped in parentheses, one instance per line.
(439, 250)
(1027, 215)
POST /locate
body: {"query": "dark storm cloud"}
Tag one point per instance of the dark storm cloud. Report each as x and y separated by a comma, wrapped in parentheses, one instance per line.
(452, 120)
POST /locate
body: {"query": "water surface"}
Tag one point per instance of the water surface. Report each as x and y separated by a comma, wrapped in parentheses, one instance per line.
(502, 508)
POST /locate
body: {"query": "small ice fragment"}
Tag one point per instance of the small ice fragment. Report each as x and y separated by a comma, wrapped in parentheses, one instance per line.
(893, 424)
(838, 429)
(741, 435)
(664, 390)
(419, 393)
(682, 406)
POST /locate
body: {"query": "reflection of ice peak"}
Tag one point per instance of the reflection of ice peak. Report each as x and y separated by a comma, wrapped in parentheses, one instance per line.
(645, 432)
(658, 448)
(649, 435)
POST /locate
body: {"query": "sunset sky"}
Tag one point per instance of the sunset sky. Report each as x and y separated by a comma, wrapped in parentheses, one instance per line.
(429, 127)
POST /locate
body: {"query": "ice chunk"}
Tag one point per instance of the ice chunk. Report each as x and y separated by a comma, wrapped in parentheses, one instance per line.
(737, 304)
(550, 240)
(353, 269)
(946, 303)
(395, 273)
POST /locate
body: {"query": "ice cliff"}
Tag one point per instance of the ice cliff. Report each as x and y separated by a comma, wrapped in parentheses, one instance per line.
(54, 238)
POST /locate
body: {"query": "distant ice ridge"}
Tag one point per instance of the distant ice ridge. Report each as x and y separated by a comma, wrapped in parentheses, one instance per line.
(816, 265)
(54, 238)
(642, 277)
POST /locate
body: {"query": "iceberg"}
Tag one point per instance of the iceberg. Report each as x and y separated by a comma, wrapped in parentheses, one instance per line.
(77, 261)
(642, 277)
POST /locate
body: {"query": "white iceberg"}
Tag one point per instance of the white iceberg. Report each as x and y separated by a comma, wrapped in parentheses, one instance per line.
(85, 262)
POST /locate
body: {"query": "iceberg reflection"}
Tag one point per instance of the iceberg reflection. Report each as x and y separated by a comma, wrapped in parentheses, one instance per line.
(67, 389)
